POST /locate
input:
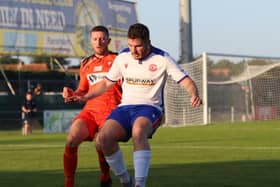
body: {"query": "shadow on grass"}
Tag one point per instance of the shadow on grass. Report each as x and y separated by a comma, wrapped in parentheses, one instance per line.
(260, 173)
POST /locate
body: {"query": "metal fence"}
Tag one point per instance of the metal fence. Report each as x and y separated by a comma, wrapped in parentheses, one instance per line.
(10, 109)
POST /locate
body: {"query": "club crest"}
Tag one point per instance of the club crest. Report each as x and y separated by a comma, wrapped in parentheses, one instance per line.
(153, 67)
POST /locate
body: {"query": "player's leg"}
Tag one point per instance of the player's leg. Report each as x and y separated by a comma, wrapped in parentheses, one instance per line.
(78, 133)
(142, 154)
(107, 139)
(105, 178)
(96, 123)
(146, 122)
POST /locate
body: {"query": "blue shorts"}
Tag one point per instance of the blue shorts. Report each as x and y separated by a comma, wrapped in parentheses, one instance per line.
(126, 115)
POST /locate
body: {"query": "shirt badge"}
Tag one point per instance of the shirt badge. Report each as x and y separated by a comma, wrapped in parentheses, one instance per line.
(153, 67)
(97, 68)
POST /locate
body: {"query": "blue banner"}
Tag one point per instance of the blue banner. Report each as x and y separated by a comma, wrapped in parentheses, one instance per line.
(61, 27)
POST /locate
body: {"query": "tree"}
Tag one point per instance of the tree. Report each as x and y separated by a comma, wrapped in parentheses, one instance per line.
(258, 62)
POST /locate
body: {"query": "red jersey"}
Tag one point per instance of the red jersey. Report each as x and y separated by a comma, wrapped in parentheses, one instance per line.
(93, 70)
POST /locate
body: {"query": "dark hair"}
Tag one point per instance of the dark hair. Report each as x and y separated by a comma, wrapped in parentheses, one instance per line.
(139, 30)
(100, 28)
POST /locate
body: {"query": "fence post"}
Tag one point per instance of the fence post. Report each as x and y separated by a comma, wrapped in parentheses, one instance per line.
(232, 114)
(209, 115)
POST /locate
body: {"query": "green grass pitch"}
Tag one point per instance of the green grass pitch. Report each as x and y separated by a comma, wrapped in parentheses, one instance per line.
(220, 155)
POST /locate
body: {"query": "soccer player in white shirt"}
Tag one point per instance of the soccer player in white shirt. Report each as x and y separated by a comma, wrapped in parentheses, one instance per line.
(144, 70)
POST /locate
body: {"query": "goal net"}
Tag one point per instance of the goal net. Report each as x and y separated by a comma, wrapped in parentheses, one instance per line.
(233, 88)
(242, 88)
(178, 110)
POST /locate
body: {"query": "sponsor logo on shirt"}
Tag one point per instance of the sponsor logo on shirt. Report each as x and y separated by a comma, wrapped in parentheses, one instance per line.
(94, 78)
(97, 68)
(136, 81)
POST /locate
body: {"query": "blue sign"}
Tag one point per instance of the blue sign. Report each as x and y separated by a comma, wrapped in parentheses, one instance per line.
(61, 27)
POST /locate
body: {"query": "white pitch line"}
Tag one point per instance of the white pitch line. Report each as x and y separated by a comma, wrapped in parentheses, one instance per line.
(30, 145)
(174, 146)
(217, 147)
(38, 146)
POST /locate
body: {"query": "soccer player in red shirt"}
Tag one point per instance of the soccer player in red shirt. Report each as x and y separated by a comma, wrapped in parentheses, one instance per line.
(85, 126)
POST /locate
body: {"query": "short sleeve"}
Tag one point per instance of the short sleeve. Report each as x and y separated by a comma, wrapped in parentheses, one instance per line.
(114, 73)
(174, 70)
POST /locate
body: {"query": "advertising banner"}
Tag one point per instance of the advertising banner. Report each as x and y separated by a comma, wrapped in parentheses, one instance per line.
(61, 27)
(266, 112)
(56, 121)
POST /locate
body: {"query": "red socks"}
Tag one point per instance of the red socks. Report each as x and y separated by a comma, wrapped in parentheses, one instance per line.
(104, 167)
(70, 165)
(71, 161)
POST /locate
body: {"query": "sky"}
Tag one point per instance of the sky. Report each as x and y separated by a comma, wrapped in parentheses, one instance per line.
(243, 27)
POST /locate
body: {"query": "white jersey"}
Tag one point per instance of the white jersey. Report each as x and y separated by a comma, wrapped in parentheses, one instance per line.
(143, 80)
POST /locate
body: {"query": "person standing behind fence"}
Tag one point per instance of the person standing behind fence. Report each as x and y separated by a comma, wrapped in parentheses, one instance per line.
(144, 69)
(89, 121)
(38, 89)
(28, 109)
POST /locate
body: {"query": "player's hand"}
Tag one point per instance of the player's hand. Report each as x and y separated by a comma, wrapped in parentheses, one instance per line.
(196, 101)
(77, 99)
(67, 93)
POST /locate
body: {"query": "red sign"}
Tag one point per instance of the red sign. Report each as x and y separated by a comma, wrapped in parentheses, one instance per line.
(266, 112)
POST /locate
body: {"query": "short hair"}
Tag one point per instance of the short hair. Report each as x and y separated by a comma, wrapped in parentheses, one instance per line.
(139, 30)
(100, 28)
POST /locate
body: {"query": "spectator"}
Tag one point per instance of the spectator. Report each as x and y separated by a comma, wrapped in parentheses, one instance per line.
(38, 89)
(28, 109)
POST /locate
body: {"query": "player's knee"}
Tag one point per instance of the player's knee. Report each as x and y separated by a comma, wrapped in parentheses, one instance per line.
(98, 143)
(72, 141)
(139, 132)
(100, 139)
(137, 137)
(104, 139)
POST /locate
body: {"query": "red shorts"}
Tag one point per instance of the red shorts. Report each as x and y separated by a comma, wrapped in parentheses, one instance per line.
(93, 120)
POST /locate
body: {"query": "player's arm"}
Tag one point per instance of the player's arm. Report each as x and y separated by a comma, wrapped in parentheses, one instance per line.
(98, 90)
(179, 75)
(83, 86)
(191, 88)
(69, 93)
